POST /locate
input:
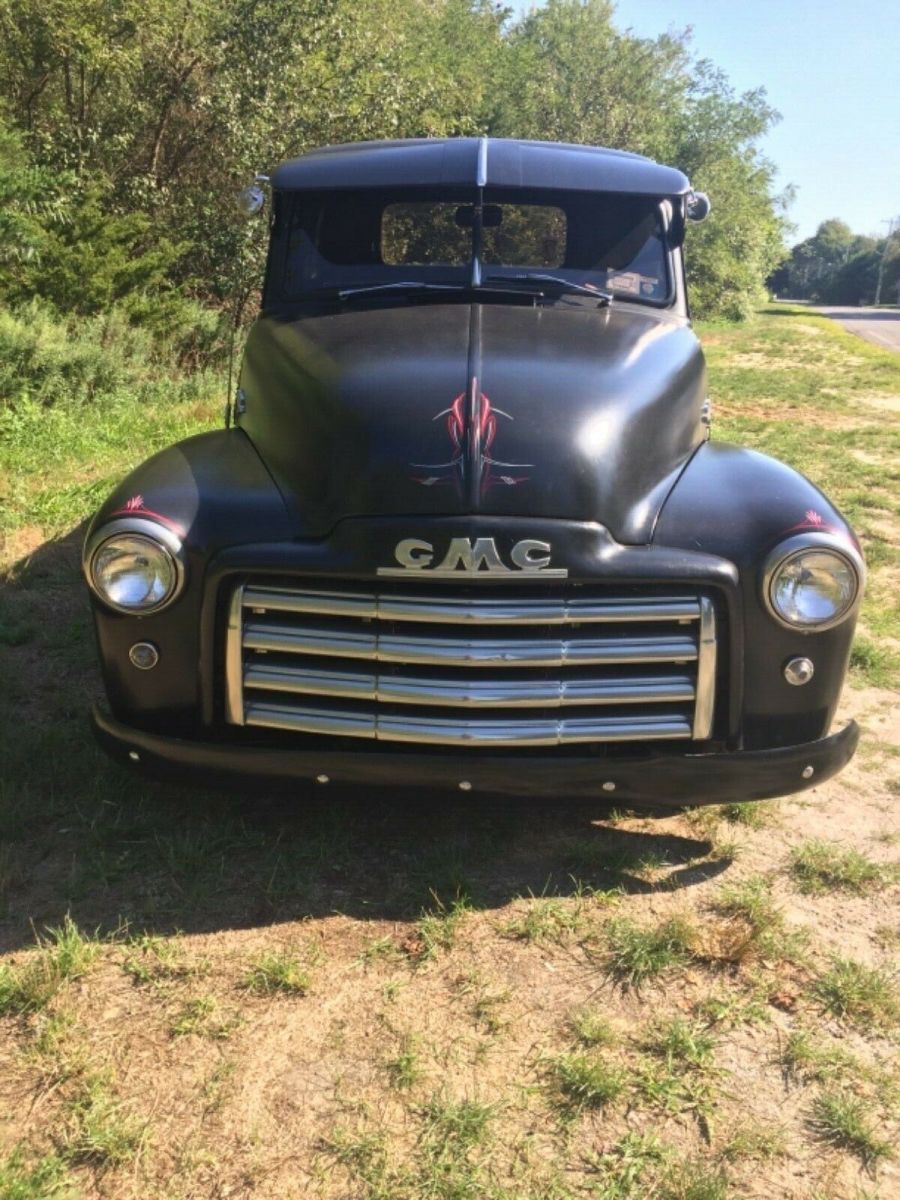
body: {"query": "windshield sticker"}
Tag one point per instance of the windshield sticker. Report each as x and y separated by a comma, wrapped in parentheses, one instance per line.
(493, 471)
(629, 282)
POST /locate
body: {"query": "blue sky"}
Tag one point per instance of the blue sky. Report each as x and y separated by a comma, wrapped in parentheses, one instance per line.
(831, 68)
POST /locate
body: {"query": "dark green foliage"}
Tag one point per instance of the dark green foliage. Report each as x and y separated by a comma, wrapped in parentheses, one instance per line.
(129, 129)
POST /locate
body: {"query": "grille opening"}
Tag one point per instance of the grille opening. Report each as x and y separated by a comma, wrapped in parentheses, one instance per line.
(461, 668)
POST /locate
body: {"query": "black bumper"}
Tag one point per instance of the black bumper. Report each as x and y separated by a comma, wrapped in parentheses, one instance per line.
(658, 779)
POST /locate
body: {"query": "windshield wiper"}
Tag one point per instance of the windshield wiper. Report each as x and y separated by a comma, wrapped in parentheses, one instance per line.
(568, 284)
(413, 285)
(407, 285)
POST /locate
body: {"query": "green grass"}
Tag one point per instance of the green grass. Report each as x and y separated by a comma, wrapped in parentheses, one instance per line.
(690, 1044)
(592, 1028)
(46, 1178)
(405, 1068)
(819, 866)
(202, 1017)
(865, 996)
(437, 927)
(636, 953)
(98, 1130)
(846, 1122)
(278, 972)
(759, 1141)
(587, 1080)
(546, 919)
(64, 954)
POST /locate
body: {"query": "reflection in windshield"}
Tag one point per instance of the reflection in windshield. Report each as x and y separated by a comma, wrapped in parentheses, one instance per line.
(374, 238)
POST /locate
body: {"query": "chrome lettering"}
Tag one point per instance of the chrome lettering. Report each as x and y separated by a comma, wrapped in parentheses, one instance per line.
(471, 556)
(525, 555)
(414, 554)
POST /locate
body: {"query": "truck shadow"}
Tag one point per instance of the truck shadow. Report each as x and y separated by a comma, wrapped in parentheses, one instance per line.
(80, 836)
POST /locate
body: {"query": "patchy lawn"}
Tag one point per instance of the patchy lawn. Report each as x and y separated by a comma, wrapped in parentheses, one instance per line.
(366, 996)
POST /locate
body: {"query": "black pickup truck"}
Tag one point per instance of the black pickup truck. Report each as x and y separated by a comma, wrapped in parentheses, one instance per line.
(465, 526)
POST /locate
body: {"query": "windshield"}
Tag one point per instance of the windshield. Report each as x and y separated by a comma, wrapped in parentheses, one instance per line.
(341, 240)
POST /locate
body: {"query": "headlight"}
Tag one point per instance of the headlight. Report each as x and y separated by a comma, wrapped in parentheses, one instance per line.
(134, 565)
(812, 582)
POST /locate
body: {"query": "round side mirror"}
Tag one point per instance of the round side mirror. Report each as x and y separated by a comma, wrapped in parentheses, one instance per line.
(698, 206)
(250, 200)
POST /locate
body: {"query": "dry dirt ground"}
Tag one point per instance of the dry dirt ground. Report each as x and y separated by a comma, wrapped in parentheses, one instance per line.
(369, 996)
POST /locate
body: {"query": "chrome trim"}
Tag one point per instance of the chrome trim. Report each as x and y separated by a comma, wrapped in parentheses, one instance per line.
(471, 652)
(143, 527)
(234, 659)
(445, 609)
(465, 693)
(813, 540)
(706, 671)
(476, 732)
(455, 573)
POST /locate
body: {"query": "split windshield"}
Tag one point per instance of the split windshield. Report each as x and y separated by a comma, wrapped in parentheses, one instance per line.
(342, 240)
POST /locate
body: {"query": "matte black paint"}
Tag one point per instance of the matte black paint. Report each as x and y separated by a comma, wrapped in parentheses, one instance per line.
(605, 403)
(455, 161)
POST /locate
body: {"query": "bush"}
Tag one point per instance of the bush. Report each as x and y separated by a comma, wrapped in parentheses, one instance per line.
(47, 359)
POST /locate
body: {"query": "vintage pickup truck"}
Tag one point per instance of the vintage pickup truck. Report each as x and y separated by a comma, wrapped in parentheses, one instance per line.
(465, 526)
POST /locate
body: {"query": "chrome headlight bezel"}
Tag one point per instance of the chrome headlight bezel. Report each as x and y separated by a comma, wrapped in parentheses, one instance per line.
(162, 538)
(792, 548)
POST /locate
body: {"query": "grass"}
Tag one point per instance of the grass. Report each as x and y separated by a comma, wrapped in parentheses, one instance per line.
(437, 927)
(98, 1130)
(864, 996)
(278, 972)
(63, 955)
(635, 953)
(592, 1028)
(759, 1141)
(844, 1121)
(546, 919)
(202, 1017)
(405, 1068)
(587, 1080)
(819, 866)
(755, 927)
(45, 1178)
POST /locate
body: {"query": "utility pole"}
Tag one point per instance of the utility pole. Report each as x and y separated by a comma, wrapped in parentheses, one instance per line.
(887, 242)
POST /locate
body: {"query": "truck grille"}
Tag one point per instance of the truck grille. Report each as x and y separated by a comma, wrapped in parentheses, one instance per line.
(459, 670)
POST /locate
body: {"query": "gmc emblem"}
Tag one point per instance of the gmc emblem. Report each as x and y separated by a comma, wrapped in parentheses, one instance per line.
(466, 556)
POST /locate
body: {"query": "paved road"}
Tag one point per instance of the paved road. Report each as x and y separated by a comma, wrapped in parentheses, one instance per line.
(881, 326)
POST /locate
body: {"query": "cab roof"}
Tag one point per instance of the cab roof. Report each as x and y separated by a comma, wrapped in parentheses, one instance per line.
(491, 162)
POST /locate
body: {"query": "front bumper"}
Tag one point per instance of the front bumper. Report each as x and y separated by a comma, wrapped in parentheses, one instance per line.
(668, 780)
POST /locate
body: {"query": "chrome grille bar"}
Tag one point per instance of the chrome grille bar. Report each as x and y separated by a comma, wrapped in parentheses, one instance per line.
(477, 693)
(453, 610)
(453, 732)
(471, 652)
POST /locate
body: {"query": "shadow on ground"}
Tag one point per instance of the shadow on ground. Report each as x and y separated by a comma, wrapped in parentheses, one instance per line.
(79, 835)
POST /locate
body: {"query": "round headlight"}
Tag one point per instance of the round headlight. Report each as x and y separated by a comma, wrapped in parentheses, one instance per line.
(136, 567)
(814, 586)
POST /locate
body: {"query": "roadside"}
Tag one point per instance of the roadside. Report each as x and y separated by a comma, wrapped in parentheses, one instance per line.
(880, 326)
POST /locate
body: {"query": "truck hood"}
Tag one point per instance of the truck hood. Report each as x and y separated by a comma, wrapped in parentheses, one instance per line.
(572, 412)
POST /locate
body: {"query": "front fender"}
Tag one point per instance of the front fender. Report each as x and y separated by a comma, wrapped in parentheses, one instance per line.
(739, 504)
(213, 491)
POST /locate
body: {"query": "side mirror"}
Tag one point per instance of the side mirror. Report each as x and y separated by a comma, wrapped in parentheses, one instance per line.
(698, 206)
(250, 200)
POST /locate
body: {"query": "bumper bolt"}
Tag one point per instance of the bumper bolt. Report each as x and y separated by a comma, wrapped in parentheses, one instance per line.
(808, 772)
(465, 786)
(322, 779)
(609, 786)
(134, 756)
(798, 671)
